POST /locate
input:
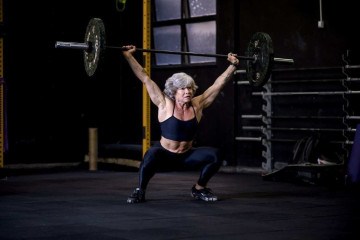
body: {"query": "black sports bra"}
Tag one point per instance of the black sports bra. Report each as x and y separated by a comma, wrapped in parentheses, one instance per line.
(179, 130)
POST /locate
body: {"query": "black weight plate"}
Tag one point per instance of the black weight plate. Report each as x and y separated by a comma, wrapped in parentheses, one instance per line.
(95, 37)
(261, 48)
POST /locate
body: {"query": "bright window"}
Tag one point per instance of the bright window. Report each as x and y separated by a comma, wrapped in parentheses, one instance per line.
(184, 26)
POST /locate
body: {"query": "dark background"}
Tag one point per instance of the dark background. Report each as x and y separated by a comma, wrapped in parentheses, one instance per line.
(51, 102)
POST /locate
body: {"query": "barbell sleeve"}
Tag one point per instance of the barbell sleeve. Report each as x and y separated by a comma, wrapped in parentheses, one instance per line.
(72, 45)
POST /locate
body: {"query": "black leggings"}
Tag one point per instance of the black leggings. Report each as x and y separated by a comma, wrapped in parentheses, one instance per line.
(158, 158)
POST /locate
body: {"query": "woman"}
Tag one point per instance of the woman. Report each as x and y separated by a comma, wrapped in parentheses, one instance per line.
(179, 113)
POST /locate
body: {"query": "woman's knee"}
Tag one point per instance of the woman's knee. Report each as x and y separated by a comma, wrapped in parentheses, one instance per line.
(215, 155)
(209, 155)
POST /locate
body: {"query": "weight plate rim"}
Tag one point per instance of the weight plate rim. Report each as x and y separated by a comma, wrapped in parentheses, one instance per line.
(92, 65)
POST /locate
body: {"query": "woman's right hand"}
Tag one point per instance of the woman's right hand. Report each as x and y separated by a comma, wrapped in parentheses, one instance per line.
(128, 50)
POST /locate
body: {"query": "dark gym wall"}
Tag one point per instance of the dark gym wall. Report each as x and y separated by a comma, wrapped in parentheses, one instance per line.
(51, 102)
(293, 27)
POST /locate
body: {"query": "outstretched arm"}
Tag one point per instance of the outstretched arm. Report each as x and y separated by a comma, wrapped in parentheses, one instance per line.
(208, 97)
(156, 95)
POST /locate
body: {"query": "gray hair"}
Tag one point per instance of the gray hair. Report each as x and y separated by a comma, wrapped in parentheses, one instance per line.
(176, 81)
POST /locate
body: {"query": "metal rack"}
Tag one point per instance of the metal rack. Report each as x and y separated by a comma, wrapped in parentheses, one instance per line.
(270, 125)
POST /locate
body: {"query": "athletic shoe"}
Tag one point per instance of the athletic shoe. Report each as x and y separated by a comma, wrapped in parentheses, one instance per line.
(204, 194)
(138, 196)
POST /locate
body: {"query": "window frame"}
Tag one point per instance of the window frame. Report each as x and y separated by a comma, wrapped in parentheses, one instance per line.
(182, 22)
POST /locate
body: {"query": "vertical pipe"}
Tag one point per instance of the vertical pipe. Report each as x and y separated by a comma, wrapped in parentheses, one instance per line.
(320, 22)
(147, 67)
(2, 111)
(93, 148)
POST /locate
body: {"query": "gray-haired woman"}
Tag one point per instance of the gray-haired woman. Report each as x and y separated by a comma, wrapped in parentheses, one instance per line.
(179, 113)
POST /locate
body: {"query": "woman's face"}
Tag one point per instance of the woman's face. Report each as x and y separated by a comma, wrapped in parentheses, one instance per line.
(184, 94)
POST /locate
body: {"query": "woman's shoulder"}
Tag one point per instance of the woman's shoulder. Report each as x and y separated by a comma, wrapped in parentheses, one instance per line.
(196, 101)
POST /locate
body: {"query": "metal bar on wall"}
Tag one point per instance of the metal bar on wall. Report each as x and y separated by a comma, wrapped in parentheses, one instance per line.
(147, 66)
(302, 117)
(255, 139)
(316, 80)
(261, 128)
(261, 139)
(352, 66)
(349, 79)
(304, 93)
(245, 82)
(252, 116)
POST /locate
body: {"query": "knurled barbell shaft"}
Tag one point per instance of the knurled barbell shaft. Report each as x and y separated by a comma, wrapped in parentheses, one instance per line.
(86, 47)
(182, 53)
(279, 60)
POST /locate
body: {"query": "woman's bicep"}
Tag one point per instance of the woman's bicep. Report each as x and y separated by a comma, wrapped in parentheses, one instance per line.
(208, 97)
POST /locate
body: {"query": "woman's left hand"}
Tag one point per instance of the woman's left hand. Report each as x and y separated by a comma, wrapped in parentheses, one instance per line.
(232, 58)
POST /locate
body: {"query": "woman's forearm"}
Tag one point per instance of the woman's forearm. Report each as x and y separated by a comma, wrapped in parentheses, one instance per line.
(138, 70)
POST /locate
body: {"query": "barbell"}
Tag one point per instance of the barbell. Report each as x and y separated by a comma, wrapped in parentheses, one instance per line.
(260, 52)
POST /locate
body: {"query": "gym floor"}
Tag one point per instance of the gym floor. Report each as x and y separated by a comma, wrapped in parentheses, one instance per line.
(78, 204)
